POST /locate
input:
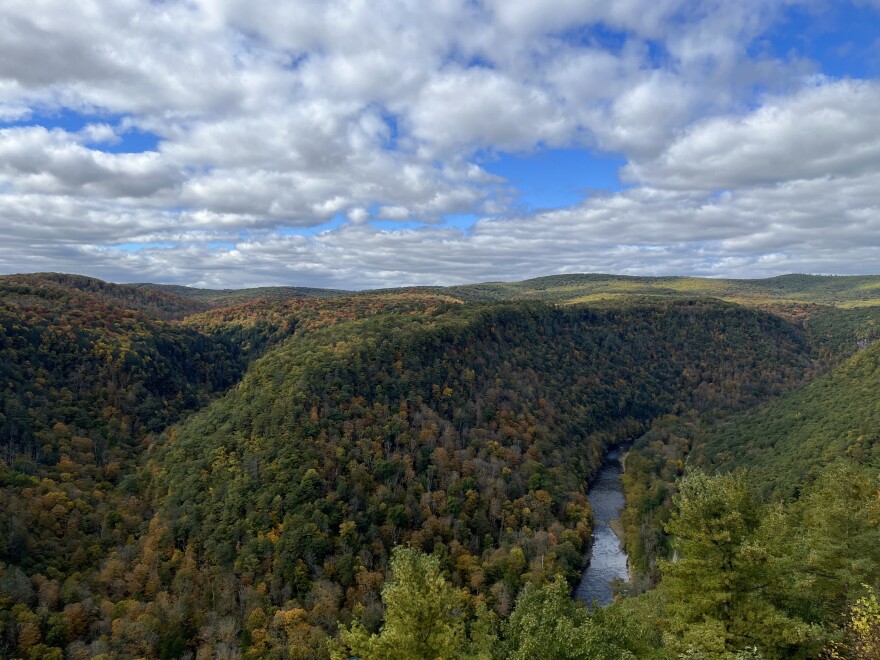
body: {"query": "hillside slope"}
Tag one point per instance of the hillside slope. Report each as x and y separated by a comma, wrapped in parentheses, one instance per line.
(214, 298)
(781, 544)
(785, 444)
(82, 383)
(154, 303)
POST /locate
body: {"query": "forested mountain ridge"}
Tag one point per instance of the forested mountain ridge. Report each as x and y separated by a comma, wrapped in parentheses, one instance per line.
(845, 291)
(228, 297)
(351, 425)
(82, 384)
(783, 444)
(849, 291)
(162, 301)
(87, 290)
(842, 312)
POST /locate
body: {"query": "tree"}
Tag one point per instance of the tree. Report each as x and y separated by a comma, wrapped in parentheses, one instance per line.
(548, 625)
(862, 631)
(719, 592)
(424, 616)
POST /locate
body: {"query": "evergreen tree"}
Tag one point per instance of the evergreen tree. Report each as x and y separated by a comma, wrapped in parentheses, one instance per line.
(424, 615)
(719, 589)
(547, 624)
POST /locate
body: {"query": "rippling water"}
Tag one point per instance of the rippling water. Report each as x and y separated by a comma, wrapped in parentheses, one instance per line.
(607, 561)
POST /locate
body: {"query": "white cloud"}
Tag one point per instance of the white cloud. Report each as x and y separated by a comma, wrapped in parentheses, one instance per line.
(823, 225)
(644, 18)
(479, 108)
(832, 128)
(33, 159)
(393, 213)
(643, 117)
(271, 116)
(99, 134)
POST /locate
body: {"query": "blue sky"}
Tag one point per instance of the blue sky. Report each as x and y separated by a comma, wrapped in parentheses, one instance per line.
(126, 139)
(842, 39)
(235, 143)
(558, 177)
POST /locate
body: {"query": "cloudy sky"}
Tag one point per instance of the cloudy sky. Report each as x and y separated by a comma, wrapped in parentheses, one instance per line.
(356, 143)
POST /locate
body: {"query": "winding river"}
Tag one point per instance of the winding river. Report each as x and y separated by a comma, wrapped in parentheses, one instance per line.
(607, 560)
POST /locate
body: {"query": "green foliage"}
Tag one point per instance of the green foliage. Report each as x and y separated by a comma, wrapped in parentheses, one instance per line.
(769, 577)
(788, 442)
(862, 630)
(466, 431)
(829, 290)
(235, 297)
(653, 467)
(355, 424)
(154, 303)
(424, 615)
(833, 535)
(83, 383)
(784, 445)
(719, 588)
(548, 624)
(842, 332)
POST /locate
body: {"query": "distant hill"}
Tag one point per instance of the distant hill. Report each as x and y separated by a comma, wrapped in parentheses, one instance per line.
(843, 291)
(155, 302)
(162, 301)
(831, 290)
(841, 313)
(225, 297)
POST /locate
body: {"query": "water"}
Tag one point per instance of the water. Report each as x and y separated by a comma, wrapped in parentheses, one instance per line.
(607, 560)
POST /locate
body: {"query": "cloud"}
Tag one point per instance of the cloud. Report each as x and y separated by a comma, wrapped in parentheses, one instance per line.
(645, 19)
(276, 118)
(831, 127)
(823, 225)
(479, 108)
(33, 159)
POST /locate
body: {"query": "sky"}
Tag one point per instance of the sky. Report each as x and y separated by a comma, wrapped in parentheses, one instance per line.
(359, 144)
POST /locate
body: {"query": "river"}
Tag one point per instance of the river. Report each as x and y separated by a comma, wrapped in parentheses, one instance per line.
(607, 560)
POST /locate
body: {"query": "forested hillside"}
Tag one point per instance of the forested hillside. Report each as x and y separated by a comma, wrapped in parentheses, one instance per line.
(840, 313)
(846, 291)
(213, 298)
(330, 431)
(84, 383)
(785, 444)
(79, 290)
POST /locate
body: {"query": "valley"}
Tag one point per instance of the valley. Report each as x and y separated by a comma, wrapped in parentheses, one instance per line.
(255, 473)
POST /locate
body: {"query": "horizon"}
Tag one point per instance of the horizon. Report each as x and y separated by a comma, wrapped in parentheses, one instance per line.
(337, 145)
(430, 286)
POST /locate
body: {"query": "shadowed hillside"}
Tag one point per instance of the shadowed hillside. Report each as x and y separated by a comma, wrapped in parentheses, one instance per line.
(785, 444)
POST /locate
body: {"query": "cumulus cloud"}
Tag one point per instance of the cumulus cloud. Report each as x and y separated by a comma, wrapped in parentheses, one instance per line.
(33, 159)
(823, 225)
(831, 128)
(480, 108)
(268, 119)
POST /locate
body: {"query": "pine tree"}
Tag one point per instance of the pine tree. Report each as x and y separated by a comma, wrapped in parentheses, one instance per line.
(424, 614)
(719, 592)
